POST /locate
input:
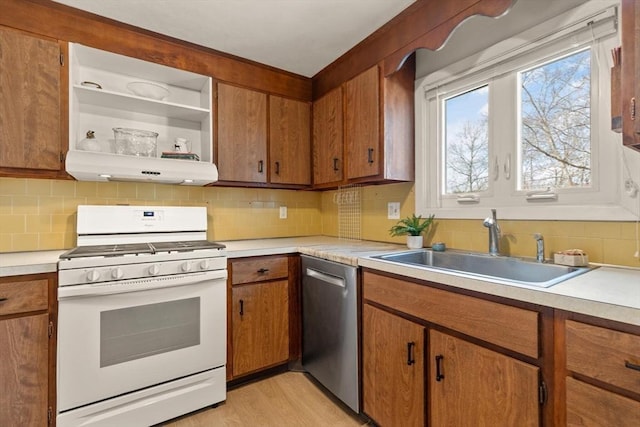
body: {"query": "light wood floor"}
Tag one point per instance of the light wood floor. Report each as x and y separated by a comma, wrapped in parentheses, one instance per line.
(288, 399)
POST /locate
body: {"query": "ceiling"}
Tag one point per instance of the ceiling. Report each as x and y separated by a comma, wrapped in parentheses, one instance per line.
(300, 36)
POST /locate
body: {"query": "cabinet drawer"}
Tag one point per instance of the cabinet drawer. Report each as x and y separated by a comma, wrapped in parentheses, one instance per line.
(604, 354)
(259, 270)
(19, 297)
(509, 327)
(592, 406)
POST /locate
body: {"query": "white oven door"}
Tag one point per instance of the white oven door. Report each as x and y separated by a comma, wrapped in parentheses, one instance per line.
(114, 338)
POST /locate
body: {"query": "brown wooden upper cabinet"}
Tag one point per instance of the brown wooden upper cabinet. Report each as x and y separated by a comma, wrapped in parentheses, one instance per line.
(374, 120)
(30, 103)
(242, 134)
(328, 156)
(630, 77)
(262, 139)
(289, 141)
(362, 124)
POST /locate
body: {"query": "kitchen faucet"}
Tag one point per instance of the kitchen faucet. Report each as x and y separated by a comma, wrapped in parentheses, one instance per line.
(539, 247)
(494, 233)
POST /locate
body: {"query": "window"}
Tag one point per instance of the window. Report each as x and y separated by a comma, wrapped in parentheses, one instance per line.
(466, 142)
(523, 127)
(555, 123)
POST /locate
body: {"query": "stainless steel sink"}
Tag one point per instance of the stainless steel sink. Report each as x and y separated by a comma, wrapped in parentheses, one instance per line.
(497, 268)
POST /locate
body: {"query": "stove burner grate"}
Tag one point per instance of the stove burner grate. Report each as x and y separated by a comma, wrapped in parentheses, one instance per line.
(138, 248)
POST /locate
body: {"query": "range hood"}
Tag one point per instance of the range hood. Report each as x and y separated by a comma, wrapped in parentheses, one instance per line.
(98, 166)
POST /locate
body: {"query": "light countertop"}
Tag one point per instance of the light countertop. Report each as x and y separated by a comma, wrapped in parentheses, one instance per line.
(608, 292)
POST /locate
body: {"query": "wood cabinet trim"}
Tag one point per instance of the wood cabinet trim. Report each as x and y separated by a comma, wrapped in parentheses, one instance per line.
(423, 24)
(63, 22)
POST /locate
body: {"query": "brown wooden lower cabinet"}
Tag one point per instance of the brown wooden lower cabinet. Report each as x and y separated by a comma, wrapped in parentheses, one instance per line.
(474, 373)
(603, 372)
(592, 406)
(471, 385)
(260, 326)
(27, 350)
(393, 369)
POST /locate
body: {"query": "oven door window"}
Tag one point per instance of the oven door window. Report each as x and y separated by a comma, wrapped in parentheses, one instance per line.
(137, 332)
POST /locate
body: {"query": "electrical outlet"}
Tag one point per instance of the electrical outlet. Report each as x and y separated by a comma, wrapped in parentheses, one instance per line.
(283, 212)
(393, 210)
(630, 187)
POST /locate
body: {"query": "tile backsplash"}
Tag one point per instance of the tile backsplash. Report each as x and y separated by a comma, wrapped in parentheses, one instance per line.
(605, 242)
(39, 214)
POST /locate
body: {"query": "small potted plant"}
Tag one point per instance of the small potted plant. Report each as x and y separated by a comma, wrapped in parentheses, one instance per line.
(412, 227)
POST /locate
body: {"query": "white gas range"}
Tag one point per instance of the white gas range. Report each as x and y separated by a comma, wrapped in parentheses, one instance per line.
(142, 317)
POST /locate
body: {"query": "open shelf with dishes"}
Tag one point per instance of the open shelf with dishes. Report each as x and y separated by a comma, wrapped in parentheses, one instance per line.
(109, 90)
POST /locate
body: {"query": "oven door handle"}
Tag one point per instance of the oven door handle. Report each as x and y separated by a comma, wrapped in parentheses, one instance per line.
(139, 285)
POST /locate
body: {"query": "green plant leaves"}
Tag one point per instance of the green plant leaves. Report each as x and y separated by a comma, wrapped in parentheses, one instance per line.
(413, 225)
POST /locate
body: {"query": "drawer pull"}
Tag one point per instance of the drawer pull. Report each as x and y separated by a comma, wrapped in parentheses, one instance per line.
(263, 270)
(630, 365)
(410, 359)
(3, 299)
(439, 374)
(241, 308)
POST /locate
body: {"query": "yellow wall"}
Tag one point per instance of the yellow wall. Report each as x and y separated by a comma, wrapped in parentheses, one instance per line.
(39, 214)
(604, 242)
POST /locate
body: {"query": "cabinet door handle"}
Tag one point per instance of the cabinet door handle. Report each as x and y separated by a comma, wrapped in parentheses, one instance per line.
(439, 374)
(277, 168)
(410, 357)
(263, 270)
(241, 307)
(335, 164)
(3, 299)
(630, 365)
(260, 166)
(370, 155)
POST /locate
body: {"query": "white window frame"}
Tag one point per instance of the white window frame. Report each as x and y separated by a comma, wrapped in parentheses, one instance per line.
(588, 24)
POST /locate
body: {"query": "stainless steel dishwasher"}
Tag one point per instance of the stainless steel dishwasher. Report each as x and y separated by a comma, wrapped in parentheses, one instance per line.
(330, 327)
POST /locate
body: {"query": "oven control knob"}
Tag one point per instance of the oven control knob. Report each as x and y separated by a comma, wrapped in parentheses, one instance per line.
(117, 273)
(186, 266)
(93, 275)
(204, 264)
(154, 269)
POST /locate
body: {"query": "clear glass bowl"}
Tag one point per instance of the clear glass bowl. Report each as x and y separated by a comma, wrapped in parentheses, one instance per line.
(136, 142)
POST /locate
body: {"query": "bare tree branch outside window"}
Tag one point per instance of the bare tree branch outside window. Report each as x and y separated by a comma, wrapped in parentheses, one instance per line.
(467, 142)
(556, 124)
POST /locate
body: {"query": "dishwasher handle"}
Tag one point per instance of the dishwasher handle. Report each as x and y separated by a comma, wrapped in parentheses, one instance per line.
(328, 278)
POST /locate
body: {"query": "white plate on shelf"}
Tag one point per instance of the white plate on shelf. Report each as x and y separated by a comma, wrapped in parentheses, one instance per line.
(148, 90)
